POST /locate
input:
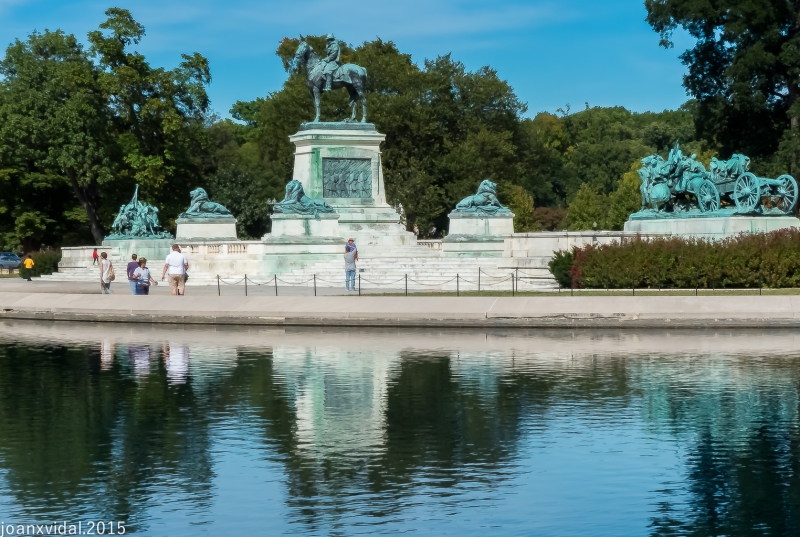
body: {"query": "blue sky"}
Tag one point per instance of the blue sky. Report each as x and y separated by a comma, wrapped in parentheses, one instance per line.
(552, 52)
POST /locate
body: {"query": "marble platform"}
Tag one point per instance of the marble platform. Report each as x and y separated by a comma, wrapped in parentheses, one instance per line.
(711, 228)
(206, 228)
(473, 235)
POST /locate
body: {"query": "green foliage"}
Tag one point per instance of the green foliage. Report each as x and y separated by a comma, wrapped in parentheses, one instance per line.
(79, 127)
(561, 267)
(771, 259)
(743, 70)
(595, 146)
(587, 210)
(44, 262)
(625, 200)
(520, 202)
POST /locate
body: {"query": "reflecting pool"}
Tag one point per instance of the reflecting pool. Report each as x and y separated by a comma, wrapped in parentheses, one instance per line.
(204, 431)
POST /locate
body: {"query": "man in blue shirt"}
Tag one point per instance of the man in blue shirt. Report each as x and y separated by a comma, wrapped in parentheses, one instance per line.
(133, 265)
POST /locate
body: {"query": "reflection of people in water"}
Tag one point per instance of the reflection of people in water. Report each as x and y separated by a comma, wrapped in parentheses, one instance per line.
(106, 354)
(140, 358)
(176, 358)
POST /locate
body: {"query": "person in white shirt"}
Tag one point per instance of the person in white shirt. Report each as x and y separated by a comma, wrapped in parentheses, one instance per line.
(176, 265)
(106, 271)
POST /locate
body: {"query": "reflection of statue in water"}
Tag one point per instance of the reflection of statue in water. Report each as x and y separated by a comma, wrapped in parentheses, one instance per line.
(484, 202)
(201, 207)
(137, 220)
(296, 202)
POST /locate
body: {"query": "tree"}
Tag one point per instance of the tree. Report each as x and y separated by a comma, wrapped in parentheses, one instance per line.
(587, 210)
(86, 125)
(743, 71)
(625, 200)
(520, 202)
(159, 114)
(54, 126)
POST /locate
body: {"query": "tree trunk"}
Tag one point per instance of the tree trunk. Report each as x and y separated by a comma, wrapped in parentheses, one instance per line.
(86, 200)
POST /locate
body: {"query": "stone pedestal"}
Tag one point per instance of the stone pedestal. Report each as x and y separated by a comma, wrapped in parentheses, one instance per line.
(298, 240)
(711, 228)
(306, 226)
(473, 235)
(341, 164)
(201, 229)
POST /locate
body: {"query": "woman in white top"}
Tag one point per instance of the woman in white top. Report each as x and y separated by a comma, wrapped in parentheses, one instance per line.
(106, 269)
(143, 278)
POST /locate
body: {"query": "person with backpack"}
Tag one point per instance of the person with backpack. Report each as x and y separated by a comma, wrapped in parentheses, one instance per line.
(106, 274)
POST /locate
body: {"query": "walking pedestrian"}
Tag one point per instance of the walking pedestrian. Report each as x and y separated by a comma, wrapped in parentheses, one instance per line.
(132, 265)
(176, 265)
(106, 274)
(350, 269)
(94, 257)
(143, 278)
(28, 263)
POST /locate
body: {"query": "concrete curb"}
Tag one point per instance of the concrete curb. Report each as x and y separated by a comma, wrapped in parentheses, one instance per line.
(413, 312)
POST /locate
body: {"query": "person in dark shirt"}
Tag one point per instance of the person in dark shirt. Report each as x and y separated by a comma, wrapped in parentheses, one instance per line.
(132, 266)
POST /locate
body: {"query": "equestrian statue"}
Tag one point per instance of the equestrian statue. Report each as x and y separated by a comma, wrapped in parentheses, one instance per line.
(328, 73)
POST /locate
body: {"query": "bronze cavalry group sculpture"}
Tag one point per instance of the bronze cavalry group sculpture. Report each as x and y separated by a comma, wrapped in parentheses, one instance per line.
(681, 184)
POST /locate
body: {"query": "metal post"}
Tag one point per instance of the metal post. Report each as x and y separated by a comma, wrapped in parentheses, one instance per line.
(512, 284)
(458, 292)
(406, 284)
(479, 279)
(315, 285)
(633, 291)
(219, 293)
(276, 285)
(359, 284)
(245, 285)
(572, 291)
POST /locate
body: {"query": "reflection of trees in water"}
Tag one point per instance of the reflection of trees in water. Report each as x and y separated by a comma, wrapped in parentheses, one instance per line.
(739, 422)
(72, 432)
(358, 434)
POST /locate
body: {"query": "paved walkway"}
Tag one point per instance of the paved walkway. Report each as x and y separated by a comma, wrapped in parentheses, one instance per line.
(122, 288)
(413, 311)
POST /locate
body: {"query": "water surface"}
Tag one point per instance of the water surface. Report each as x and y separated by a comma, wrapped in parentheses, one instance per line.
(344, 432)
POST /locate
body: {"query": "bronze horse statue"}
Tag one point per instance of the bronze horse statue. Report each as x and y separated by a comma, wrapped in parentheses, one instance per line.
(349, 76)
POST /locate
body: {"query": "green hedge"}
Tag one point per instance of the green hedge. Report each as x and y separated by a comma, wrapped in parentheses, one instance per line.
(768, 259)
(44, 262)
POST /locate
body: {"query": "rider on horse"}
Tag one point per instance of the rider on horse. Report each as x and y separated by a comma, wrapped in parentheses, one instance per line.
(331, 61)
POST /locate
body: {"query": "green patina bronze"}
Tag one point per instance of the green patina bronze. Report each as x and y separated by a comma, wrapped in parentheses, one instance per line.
(483, 203)
(328, 73)
(296, 202)
(137, 220)
(680, 186)
(202, 207)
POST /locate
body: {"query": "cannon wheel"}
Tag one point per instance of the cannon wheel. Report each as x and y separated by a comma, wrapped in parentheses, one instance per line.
(747, 192)
(786, 194)
(708, 197)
